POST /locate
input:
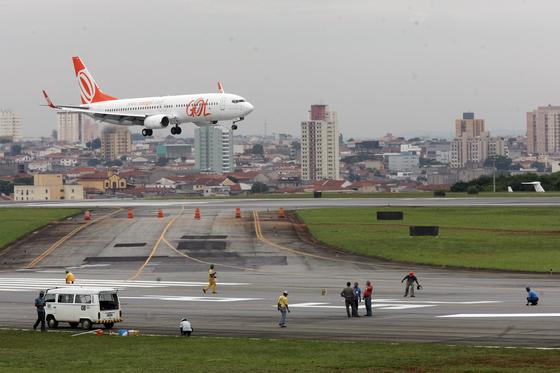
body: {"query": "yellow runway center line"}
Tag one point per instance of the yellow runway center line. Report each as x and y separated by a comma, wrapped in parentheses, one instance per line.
(58, 243)
(154, 249)
(261, 237)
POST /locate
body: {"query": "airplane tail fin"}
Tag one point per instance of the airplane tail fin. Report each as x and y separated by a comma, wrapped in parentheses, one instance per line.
(89, 90)
(220, 88)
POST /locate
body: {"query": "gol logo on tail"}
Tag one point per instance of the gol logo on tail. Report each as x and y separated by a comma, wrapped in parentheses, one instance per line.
(197, 108)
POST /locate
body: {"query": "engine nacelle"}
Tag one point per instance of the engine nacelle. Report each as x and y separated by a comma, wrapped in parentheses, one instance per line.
(156, 121)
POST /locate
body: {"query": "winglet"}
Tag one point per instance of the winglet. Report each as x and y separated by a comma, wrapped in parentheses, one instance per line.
(48, 99)
(220, 88)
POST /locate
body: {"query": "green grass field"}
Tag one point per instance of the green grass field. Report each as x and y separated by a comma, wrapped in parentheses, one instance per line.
(17, 222)
(507, 238)
(59, 352)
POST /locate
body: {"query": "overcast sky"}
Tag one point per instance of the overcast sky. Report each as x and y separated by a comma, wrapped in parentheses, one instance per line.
(406, 67)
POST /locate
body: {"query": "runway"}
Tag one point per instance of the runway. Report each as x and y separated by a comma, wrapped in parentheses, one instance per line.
(160, 266)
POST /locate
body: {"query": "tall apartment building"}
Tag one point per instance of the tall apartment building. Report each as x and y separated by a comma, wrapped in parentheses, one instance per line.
(543, 130)
(468, 126)
(73, 127)
(69, 126)
(472, 145)
(10, 125)
(213, 149)
(319, 145)
(116, 141)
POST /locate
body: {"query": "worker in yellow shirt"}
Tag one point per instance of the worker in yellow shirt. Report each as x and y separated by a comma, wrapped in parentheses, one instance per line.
(283, 308)
(70, 278)
(211, 280)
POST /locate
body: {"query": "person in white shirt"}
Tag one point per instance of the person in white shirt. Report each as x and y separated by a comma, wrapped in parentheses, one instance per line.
(185, 327)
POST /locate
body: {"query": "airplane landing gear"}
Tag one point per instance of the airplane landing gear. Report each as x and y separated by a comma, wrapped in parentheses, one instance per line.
(176, 130)
(234, 126)
(214, 122)
(147, 132)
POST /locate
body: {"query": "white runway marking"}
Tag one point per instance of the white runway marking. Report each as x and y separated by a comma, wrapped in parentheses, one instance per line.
(173, 298)
(33, 284)
(439, 302)
(499, 315)
(381, 306)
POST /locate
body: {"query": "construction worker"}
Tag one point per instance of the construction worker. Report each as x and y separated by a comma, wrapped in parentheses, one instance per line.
(532, 297)
(185, 327)
(368, 292)
(70, 278)
(211, 280)
(410, 280)
(283, 308)
(40, 306)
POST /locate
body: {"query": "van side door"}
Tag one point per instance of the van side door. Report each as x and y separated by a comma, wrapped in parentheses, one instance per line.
(65, 307)
(83, 307)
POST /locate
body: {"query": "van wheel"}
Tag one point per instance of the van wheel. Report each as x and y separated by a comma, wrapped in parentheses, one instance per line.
(109, 325)
(73, 324)
(86, 324)
(51, 322)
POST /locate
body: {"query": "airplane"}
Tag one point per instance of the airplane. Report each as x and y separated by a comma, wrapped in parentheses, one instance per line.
(154, 112)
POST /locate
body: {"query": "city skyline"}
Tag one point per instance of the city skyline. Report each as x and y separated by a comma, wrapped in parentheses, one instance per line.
(425, 62)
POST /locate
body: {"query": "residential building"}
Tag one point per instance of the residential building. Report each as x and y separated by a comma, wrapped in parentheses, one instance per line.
(468, 126)
(69, 126)
(475, 150)
(213, 149)
(174, 151)
(48, 187)
(543, 130)
(10, 125)
(402, 162)
(116, 141)
(90, 130)
(320, 152)
(102, 182)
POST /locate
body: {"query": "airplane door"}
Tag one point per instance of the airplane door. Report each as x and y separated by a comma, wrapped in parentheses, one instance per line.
(222, 103)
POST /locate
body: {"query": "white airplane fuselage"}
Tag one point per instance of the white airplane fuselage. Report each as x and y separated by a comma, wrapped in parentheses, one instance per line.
(198, 108)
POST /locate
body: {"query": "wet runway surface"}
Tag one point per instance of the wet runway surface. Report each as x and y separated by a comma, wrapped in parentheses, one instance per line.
(160, 266)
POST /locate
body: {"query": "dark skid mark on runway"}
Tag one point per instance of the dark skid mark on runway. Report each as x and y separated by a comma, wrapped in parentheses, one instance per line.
(134, 244)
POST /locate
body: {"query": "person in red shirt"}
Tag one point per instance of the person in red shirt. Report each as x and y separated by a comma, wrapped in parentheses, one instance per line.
(368, 292)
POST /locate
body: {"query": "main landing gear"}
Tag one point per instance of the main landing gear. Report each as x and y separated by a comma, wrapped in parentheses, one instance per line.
(147, 132)
(176, 130)
(234, 126)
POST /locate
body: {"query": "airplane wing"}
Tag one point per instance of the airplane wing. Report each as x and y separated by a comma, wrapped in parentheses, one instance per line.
(96, 114)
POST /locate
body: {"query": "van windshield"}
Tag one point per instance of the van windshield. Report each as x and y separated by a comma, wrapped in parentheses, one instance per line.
(108, 301)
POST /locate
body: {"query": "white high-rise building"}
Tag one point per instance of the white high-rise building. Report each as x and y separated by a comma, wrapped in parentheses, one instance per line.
(10, 125)
(213, 149)
(69, 126)
(319, 145)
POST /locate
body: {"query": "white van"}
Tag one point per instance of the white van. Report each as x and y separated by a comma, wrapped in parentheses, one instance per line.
(80, 305)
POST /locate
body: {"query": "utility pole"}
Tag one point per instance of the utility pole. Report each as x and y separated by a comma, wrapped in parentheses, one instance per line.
(494, 174)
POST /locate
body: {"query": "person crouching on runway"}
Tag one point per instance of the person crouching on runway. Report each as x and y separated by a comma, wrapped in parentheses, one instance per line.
(532, 297)
(185, 327)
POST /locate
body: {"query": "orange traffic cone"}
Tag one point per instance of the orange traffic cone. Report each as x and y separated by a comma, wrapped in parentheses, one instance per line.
(87, 215)
(130, 214)
(160, 213)
(238, 213)
(281, 213)
(197, 214)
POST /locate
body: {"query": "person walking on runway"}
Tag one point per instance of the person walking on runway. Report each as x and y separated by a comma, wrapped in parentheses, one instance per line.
(410, 280)
(211, 280)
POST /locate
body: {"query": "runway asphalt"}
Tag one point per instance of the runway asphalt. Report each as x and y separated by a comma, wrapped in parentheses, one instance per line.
(255, 262)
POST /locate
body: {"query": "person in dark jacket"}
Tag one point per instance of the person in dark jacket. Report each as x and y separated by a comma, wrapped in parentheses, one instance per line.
(40, 306)
(357, 299)
(348, 295)
(410, 280)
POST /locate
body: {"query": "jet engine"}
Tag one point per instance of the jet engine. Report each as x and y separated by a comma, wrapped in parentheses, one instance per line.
(156, 121)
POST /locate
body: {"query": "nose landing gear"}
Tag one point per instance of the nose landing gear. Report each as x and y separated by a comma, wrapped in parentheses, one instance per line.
(234, 126)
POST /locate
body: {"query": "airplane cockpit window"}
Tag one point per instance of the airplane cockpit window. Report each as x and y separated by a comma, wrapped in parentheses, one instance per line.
(236, 101)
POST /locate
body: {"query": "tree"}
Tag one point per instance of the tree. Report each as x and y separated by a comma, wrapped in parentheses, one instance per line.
(259, 187)
(94, 144)
(93, 162)
(116, 162)
(15, 149)
(257, 149)
(6, 187)
(162, 161)
(541, 167)
(502, 163)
